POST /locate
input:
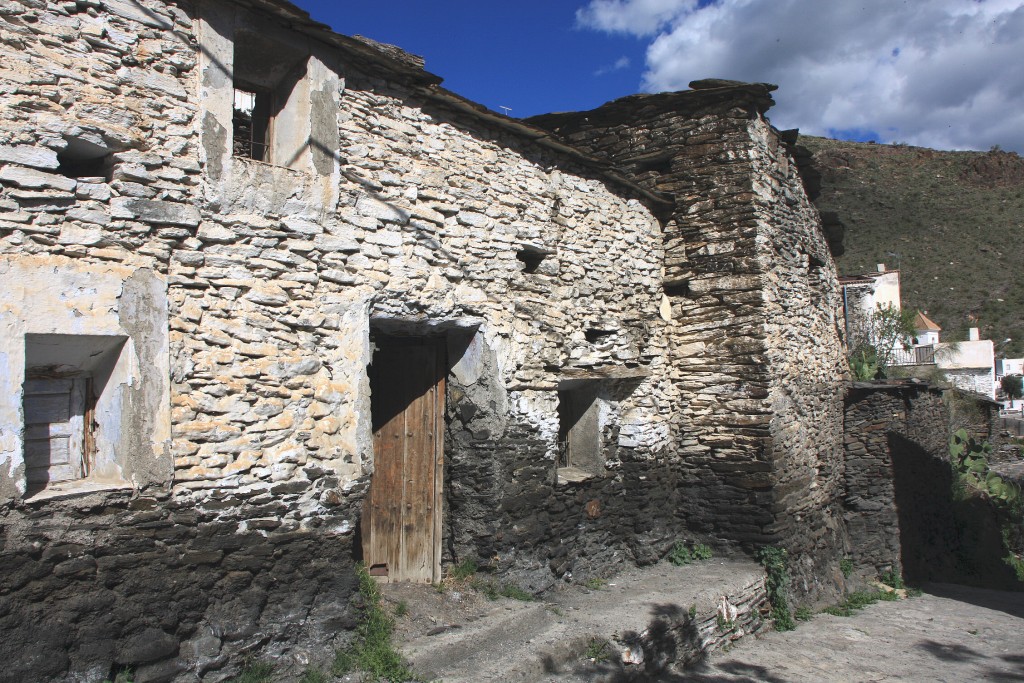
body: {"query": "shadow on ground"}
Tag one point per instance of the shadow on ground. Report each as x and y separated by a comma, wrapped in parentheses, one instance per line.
(1001, 601)
(671, 637)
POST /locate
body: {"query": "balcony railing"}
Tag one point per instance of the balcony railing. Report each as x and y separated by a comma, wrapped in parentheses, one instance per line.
(916, 355)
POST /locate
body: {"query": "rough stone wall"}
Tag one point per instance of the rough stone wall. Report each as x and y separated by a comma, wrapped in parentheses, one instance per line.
(754, 336)
(891, 431)
(805, 354)
(476, 201)
(899, 505)
(275, 277)
(977, 380)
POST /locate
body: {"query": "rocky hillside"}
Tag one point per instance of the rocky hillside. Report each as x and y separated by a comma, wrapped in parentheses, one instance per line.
(952, 222)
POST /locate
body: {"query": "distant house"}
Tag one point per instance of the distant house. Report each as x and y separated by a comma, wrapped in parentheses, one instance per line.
(1009, 366)
(925, 331)
(863, 296)
(969, 365)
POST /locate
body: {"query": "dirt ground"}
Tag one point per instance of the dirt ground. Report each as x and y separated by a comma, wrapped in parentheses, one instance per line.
(426, 610)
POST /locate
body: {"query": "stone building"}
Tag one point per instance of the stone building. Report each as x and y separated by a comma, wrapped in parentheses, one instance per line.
(274, 301)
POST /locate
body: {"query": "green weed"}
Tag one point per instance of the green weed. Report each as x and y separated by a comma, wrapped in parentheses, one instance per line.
(465, 569)
(597, 650)
(372, 650)
(774, 561)
(802, 614)
(682, 554)
(846, 566)
(123, 675)
(493, 590)
(858, 601)
(595, 583)
(892, 579)
(255, 672)
(402, 608)
(313, 676)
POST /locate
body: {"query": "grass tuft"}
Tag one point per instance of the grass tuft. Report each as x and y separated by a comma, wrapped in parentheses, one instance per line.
(372, 651)
(255, 672)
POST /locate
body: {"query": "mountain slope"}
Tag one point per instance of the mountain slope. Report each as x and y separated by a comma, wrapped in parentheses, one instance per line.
(952, 222)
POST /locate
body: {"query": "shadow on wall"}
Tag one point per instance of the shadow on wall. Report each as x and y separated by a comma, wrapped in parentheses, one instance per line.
(945, 536)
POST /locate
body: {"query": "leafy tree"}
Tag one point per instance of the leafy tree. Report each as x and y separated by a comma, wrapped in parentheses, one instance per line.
(876, 338)
(1013, 385)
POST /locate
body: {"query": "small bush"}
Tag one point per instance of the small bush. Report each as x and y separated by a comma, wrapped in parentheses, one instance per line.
(122, 675)
(493, 590)
(682, 554)
(723, 623)
(514, 592)
(892, 579)
(701, 552)
(858, 601)
(802, 614)
(846, 566)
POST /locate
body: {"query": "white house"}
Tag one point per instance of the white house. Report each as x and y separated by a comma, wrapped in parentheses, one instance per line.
(969, 365)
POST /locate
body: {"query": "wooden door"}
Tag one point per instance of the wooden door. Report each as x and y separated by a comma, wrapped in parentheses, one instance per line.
(402, 513)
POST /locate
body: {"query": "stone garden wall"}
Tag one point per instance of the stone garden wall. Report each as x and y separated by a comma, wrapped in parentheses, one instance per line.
(892, 431)
(900, 505)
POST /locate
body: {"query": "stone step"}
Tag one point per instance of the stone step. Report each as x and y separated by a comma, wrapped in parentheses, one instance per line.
(640, 623)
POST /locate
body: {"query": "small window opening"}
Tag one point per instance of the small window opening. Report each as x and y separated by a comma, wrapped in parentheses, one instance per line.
(531, 258)
(681, 288)
(270, 101)
(594, 335)
(65, 379)
(579, 429)
(251, 123)
(81, 159)
(660, 164)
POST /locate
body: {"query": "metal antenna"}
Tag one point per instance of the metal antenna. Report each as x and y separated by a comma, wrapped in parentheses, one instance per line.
(507, 109)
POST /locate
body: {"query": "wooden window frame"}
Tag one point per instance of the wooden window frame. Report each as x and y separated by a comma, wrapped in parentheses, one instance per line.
(261, 117)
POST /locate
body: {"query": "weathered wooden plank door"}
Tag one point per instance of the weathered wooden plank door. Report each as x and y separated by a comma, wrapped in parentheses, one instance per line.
(402, 514)
(54, 430)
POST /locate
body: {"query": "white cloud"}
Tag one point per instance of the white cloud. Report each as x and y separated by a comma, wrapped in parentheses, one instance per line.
(619, 64)
(938, 73)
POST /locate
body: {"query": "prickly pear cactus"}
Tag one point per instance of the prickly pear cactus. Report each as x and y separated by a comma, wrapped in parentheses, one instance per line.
(970, 459)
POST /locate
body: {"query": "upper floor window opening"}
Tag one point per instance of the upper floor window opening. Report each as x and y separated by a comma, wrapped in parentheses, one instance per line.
(270, 102)
(251, 123)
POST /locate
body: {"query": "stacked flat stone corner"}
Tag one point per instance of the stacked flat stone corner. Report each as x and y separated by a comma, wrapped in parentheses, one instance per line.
(221, 316)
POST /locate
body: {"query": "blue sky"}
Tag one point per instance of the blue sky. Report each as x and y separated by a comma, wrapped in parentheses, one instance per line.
(528, 54)
(947, 74)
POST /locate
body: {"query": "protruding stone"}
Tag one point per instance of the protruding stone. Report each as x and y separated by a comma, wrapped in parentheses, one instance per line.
(155, 211)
